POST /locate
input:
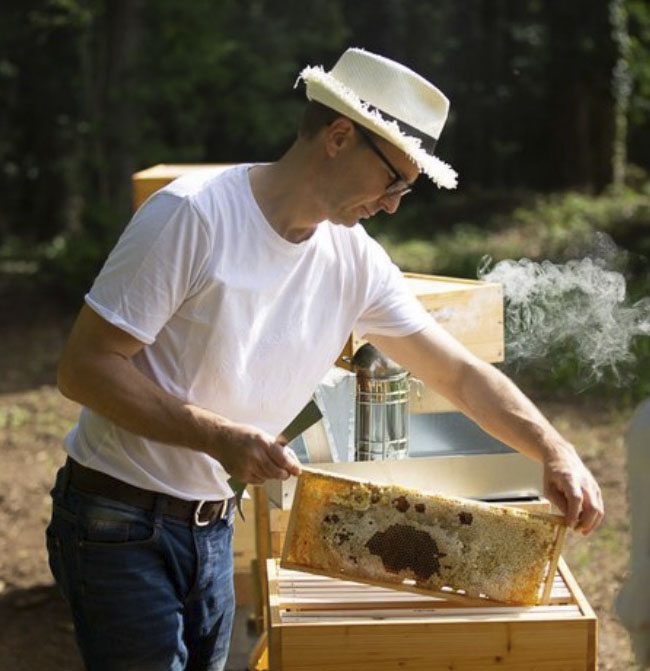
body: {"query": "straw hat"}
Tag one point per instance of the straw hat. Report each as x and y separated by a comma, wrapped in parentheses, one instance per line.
(390, 100)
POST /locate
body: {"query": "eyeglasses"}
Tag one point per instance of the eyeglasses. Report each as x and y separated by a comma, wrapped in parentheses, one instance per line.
(399, 186)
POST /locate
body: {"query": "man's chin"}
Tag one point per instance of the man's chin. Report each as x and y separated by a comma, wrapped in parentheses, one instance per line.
(348, 222)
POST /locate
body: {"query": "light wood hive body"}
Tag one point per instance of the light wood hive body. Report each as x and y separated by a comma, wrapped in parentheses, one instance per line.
(386, 534)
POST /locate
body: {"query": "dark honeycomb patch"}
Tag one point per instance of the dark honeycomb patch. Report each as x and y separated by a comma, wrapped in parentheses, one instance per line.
(401, 504)
(342, 536)
(465, 518)
(402, 547)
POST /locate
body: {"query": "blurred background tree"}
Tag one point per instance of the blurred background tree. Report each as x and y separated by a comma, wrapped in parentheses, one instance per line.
(93, 90)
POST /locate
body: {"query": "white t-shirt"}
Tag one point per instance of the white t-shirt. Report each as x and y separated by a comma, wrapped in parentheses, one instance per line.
(235, 319)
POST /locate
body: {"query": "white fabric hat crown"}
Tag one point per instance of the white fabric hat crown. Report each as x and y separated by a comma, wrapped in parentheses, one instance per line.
(389, 99)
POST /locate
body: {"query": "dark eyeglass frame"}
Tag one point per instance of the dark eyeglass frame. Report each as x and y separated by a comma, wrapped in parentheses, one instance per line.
(399, 186)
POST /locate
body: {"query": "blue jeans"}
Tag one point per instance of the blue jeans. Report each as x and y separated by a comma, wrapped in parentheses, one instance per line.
(147, 591)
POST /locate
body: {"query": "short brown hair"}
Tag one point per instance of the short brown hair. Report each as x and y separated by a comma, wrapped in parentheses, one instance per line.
(315, 117)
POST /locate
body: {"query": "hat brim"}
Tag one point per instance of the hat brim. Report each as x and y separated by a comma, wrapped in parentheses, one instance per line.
(325, 89)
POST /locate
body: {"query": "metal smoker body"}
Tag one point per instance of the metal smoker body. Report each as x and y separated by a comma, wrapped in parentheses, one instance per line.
(381, 408)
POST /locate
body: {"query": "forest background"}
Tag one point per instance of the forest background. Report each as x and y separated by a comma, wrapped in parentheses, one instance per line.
(549, 127)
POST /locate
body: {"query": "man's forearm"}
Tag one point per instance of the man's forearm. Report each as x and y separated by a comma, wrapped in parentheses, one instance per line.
(494, 402)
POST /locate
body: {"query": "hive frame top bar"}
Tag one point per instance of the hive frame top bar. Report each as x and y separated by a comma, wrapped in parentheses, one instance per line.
(481, 476)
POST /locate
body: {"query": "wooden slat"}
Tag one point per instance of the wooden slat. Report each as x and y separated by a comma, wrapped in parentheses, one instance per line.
(418, 645)
(552, 565)
(533, 614)
(262, 551)
(471, 310)
(452, 595)
(572, 585)
(587, 612)
(298, 591)
(258, 660)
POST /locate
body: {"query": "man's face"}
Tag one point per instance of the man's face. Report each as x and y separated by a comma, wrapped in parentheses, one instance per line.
(374, 176)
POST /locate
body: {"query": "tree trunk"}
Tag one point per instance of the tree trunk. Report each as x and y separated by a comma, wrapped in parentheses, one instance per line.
(122, 29)
(581, 109)
(621, 85)
(108, 76)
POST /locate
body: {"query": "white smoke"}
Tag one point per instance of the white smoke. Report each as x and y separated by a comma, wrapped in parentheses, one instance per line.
(577, 308)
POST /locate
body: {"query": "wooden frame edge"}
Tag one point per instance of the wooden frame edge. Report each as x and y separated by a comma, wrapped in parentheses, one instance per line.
(553, 563)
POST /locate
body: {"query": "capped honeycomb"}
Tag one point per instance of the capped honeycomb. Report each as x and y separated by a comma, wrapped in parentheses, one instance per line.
(386, 534)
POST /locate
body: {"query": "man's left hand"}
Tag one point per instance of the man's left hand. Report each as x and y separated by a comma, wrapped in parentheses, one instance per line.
(572, 488)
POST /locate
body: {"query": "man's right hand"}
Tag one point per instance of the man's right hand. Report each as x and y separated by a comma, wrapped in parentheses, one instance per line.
(254, 456)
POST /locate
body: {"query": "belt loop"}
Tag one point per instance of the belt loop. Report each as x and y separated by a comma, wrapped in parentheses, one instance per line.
(159, 510)
(225, 509)
(230, 508)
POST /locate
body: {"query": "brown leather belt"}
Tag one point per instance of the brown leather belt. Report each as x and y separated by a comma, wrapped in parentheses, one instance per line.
(89, 481)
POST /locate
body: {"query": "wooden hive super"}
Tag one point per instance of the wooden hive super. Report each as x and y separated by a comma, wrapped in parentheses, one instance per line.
(322, 624)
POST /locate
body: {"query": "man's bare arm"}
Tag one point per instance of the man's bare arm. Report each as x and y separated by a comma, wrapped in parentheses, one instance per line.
(494, 402)
(96, 370)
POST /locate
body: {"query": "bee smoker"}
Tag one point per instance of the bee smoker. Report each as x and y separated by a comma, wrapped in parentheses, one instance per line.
(381, 406)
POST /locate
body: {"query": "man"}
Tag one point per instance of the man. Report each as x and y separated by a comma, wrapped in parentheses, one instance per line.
(222, 306)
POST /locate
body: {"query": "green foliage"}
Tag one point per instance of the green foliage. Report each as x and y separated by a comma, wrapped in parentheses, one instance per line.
(220, 76)
(639, 65)
(639, 13)
(555, 227)
(68, 264)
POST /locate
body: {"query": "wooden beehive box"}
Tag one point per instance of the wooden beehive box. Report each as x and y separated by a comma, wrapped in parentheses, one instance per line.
(323, 624)
(471, 310)
(145, 182)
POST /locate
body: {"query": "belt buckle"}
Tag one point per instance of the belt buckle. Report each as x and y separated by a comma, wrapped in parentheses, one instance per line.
(223, 513)
(197, 515)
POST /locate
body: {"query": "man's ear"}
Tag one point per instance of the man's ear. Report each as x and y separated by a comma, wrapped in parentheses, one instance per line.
(338, 136)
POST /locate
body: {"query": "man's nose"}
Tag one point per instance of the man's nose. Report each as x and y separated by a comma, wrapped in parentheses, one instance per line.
(390, 203)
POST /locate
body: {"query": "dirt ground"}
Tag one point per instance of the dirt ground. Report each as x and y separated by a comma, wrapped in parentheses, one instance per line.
(35, 630)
